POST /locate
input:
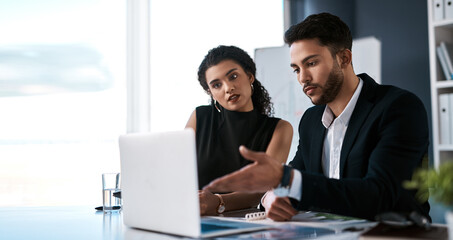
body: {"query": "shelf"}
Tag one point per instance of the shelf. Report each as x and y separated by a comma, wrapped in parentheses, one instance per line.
(446, 147)
(439, 31)
(444, 84)
(443, 23)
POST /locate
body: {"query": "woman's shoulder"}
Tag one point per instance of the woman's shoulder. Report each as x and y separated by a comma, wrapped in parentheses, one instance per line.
(284, 125)
(283, 132)
(204, 112)
(203, 109)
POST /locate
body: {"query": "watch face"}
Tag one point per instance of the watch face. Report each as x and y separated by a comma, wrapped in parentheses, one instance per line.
(221, 209)
(281, 192)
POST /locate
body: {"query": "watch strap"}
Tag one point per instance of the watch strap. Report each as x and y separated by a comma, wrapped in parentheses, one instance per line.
(221, 208)
(286, 178)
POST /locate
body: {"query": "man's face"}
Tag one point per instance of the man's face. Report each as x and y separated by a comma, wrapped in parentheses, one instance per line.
(317, 71)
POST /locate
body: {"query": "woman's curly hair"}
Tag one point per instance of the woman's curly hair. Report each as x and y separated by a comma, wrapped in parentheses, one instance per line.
(260, 97)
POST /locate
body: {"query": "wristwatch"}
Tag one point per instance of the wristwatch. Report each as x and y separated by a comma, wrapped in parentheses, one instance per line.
(221, 207)
(283, 189)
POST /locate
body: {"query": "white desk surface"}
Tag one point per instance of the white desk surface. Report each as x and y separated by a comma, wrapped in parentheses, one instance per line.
(84, 222)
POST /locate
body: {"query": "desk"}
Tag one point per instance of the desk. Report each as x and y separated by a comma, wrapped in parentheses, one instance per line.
(78, 222)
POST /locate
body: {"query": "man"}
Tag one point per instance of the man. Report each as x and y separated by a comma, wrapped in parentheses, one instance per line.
(356, 146)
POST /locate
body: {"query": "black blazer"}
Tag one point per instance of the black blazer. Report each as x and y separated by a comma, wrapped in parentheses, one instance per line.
(386, 139)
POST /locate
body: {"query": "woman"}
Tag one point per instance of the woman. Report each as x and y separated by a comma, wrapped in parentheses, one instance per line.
(239, 114)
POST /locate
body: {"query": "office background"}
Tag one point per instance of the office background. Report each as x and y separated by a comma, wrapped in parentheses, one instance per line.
(400, 25)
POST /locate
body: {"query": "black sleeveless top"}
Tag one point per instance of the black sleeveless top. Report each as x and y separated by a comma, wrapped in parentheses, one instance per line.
(219, 135)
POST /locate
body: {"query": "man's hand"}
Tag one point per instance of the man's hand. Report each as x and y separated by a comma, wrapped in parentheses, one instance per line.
(263, 174)
(277, 208)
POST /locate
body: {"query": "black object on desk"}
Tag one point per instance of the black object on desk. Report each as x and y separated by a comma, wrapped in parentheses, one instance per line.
(384, 231)
(115, 194)
(100, 208)
(393, 225)
(403, 220)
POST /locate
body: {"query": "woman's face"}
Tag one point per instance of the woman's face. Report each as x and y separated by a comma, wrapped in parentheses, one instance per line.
(230, 85)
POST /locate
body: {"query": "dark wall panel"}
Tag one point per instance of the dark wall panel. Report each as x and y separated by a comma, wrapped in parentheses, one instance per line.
(402, 27)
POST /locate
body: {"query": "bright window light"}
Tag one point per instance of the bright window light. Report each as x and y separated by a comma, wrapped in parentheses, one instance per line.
(63, 84)
(62, 95)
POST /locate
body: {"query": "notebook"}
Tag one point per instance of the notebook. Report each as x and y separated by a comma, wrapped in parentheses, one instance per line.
(159, 186)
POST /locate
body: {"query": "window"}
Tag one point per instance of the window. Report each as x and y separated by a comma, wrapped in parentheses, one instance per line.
(63, 84)
(62, 97)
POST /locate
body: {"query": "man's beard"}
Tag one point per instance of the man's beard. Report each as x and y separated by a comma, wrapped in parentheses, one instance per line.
(332, 87)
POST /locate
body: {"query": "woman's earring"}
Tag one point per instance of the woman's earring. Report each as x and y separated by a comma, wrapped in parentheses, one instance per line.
(215, 105)
(251, 85)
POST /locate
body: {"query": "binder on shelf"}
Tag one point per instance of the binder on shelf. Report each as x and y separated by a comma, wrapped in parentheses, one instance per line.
(438, 10)
(443, 63)
(450, 105)
(447, 50)
(448, 7)
(444, 118)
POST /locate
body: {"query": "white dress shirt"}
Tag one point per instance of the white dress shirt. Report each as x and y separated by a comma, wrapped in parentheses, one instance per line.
(336, 130)
(333, 141)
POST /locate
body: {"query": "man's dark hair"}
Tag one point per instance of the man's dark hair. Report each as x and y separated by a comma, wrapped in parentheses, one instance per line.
(260, 97)
(329, 29)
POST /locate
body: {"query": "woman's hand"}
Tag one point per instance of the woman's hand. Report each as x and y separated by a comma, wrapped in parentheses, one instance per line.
(278, 208)
(208, 202)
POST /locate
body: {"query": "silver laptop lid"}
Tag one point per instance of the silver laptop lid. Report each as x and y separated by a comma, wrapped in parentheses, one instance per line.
(159, 182)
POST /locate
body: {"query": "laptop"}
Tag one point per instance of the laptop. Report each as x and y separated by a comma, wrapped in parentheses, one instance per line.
(159, 187)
